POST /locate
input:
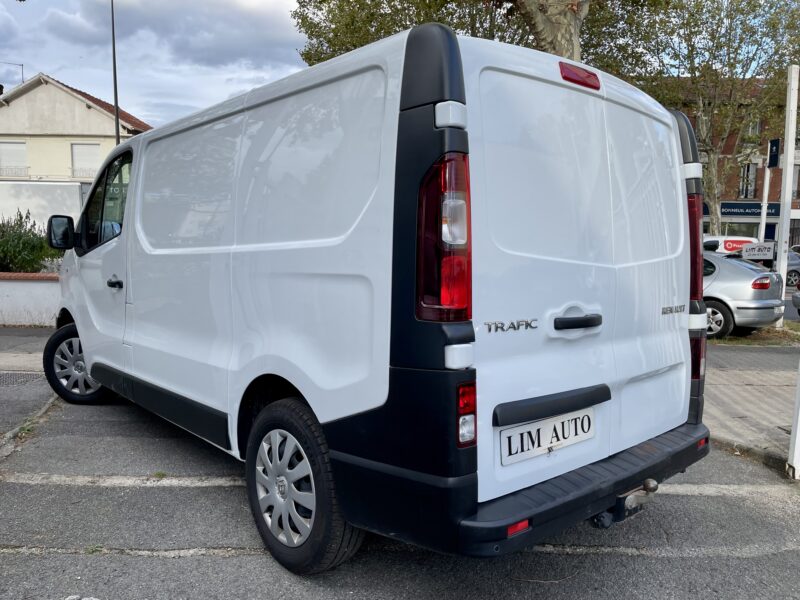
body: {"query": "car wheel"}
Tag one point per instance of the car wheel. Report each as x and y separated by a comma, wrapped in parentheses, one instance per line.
(792, 278)
(720, 319)
(291, 491)
(66, 370)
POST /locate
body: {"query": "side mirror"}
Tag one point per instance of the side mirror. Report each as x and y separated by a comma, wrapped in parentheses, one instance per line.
(711, 245)
(61, 232)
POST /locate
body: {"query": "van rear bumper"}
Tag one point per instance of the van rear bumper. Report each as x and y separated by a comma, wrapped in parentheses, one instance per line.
(442, 513)
(555, 504)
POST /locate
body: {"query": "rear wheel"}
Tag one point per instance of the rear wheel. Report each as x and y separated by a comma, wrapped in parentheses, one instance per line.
(291, 491)
(720, 319)
(66, 370)
(792, 278)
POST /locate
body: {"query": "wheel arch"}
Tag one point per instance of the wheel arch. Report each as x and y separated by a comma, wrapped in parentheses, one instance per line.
(706, 299)
(260, 393)
(64, 317)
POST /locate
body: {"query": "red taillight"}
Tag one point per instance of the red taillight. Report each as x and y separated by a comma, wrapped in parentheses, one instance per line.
(702, 443)
(579, 75)
(518, 527)
(698, 348)
(444, 244)
(696, 246)
(762, 283)
(467, 408)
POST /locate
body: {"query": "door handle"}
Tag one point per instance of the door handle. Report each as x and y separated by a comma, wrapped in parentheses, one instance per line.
(578, 322)
(114, 283)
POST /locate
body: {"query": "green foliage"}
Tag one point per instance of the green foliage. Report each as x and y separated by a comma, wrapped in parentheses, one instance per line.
(723, 62)
(23, 246)
(334, 27)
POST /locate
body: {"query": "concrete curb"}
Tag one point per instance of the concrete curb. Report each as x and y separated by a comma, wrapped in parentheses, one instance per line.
(7, 441)
(767, 457)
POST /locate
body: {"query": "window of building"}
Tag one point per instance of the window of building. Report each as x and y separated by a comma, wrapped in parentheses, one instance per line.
(747, 181)
(753, 130)
(13, 159)
(85, 160)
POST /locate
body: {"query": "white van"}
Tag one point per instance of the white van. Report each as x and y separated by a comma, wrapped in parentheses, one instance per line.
(443, 289)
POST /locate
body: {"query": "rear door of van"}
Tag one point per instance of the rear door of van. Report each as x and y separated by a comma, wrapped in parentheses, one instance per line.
(580, 266)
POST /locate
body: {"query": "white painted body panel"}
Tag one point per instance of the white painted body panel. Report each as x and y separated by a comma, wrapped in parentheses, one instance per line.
(578, 207)
(262, 241)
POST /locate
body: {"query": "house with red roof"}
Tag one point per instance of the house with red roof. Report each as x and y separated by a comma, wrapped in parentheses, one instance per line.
(53, 138)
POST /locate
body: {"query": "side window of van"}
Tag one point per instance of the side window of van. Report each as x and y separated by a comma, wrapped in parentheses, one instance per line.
(116, 192)
(105, 209)
(708, 268)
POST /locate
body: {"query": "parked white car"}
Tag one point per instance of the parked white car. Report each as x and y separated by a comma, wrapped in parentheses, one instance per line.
(440, 288)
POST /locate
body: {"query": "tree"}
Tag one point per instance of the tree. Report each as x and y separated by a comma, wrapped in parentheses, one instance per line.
(613, 34)
(557, 24)
(334, 27)
(723, 62)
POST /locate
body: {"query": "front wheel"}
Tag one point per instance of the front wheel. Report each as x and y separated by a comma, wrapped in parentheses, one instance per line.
(66, 370)
(291, 491)
(720, 319)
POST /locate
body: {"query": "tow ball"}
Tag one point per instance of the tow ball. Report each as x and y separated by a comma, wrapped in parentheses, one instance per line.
(627, 505)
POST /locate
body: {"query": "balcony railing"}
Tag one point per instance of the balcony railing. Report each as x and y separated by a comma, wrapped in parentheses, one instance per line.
(13, 171)
(83, 173)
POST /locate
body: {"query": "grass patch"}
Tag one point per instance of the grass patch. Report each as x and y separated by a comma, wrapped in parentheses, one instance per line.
(789, 335)
(94, 549)
(26, 430)
(159, 474)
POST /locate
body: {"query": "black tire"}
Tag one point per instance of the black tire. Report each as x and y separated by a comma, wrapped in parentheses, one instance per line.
(61, 387)
(331, 540)
(793, 279)
(719, 310)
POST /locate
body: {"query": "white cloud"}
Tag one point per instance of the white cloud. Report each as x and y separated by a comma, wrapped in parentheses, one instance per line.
(173, 56)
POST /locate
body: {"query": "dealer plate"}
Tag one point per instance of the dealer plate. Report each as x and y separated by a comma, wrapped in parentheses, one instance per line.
(541, 437)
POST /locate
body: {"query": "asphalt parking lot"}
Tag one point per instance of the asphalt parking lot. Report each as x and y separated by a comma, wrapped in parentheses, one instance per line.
(111, 502)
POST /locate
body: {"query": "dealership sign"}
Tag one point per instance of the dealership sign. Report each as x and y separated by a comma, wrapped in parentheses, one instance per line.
(763, 251)
(746, 209)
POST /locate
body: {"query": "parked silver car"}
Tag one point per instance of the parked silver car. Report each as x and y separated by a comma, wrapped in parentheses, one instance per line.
(740, 293)
(793, 269)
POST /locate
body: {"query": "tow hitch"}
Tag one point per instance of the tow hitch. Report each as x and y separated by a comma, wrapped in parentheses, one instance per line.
(627, 505)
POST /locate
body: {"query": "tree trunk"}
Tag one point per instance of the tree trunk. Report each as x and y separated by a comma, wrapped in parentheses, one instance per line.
(557, 24)
(711, 191)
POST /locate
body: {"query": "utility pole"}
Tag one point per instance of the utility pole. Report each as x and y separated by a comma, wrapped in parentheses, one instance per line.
(788, 172)
(762, 226)
(793, 462)
(114, 60)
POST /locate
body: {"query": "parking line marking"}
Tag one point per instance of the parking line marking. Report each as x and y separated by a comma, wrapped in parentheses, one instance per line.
(731, 490)
(204, 481)
(745, 551)
(116, 481)
(99, 551)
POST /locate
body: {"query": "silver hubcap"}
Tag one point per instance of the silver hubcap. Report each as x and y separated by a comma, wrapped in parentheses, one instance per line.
(70, 368)
(285, 487)
(715, 320)
(792, 278)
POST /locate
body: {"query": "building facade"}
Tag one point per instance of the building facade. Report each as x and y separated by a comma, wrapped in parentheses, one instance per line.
(53, 138)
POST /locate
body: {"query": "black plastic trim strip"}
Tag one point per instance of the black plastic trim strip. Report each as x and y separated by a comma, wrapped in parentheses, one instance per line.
(697, 307)
(582, 322)
(689, 150)
(533, 409)
(203, 421)
(432, 71)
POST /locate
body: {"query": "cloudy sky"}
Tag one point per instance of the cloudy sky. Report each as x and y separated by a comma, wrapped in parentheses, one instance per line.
(173, 56)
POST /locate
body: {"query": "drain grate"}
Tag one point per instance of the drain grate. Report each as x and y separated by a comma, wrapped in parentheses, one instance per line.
(16, 378)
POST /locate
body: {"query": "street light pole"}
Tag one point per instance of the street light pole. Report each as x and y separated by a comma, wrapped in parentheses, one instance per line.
(114, 60)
